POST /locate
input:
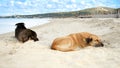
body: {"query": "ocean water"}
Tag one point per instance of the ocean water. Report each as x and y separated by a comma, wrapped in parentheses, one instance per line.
(8, 24)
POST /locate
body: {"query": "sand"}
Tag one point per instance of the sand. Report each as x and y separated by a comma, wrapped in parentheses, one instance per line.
(14, 54)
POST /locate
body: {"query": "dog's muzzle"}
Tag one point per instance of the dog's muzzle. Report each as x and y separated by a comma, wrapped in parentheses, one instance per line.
(99, 45)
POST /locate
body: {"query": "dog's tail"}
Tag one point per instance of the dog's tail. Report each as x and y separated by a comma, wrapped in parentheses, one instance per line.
(36, 39)
(33, 36)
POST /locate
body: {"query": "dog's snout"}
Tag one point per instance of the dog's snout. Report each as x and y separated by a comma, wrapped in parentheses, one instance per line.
(102, 44)
(99, 45)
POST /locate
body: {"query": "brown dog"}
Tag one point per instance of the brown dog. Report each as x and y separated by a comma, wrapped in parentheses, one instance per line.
(75, 41)
(23, 34)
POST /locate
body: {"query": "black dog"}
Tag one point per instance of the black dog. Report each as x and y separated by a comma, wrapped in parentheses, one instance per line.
(23, 34)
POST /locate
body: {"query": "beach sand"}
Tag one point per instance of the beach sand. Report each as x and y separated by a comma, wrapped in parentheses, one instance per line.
(14, 54)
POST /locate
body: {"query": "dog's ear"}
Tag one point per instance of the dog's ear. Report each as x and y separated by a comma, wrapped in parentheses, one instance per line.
(88, 40)
(16, 24)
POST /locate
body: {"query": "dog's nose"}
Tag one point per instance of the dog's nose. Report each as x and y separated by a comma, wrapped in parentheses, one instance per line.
(99, 45)
(102, 44)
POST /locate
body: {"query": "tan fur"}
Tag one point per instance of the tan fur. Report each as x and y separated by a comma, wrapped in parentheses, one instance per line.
(75, 41)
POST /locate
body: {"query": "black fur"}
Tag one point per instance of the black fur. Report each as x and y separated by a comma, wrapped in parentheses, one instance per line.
(23, 34)
(88, 40)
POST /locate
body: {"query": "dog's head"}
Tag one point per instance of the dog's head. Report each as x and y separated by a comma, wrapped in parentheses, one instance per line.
(20, 25)
(94, 40)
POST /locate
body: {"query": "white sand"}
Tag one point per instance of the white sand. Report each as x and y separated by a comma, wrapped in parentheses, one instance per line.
(14, 54)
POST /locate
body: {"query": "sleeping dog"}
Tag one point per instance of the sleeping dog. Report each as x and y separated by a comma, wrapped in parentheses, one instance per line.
(23, 34)
(75, 41)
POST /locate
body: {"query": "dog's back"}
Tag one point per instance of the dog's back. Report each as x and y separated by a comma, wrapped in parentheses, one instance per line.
(26, 35)
(20, 27)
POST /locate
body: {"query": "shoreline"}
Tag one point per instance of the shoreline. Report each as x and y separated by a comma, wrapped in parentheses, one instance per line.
(8, 25)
